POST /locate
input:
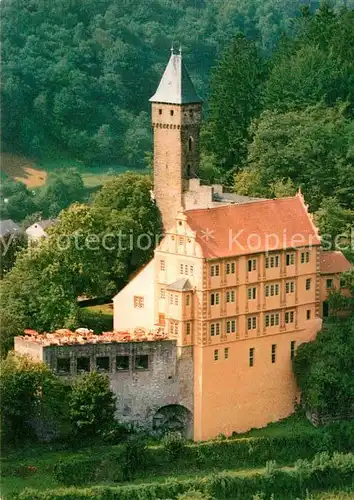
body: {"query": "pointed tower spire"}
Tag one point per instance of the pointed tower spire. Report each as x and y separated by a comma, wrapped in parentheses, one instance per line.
(175, 86)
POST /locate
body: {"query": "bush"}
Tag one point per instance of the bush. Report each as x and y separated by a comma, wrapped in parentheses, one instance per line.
(134, 457)
(323, 472)
(174, 444)
(92, 405)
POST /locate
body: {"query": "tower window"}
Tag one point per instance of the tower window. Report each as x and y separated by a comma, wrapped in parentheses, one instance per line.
(292, 349)
(171, 112)
(189, 171)
(160, 111)
(190, 144)
(251, 357)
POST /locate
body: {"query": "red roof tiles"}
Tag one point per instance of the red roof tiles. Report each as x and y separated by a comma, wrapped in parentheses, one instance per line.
(333, 262)
(253, 227)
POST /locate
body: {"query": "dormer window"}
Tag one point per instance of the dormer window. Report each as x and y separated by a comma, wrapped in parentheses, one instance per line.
(160, 111)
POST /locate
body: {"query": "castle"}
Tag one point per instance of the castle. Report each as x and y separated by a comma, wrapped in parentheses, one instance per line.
(235, 286)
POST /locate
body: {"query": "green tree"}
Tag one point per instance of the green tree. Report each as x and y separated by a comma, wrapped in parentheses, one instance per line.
(9, 247)
(16, 201)
(92, 405)
(335, 223)
(234, 100)
(311, 147)
(62, 188)
(29, 391)
(324, 369)
(315, 65)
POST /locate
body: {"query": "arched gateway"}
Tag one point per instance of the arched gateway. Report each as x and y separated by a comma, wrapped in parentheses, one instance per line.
(174, 418)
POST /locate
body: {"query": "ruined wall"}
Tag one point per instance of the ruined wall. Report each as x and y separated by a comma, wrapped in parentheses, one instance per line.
(145, 376)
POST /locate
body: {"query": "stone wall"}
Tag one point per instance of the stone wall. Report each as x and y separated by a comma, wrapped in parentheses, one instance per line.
(145, 376)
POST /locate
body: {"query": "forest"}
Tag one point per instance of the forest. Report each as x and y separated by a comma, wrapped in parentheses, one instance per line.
(77, 74)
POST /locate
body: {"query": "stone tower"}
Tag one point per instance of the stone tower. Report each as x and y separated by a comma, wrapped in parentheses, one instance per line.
(176, 117)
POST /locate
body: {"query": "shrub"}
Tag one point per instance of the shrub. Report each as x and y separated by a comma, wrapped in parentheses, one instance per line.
(134, 457)
(174, 444)
(91, 405)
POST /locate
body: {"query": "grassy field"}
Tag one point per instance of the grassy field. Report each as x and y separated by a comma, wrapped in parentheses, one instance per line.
(34, 173)
(32, 466)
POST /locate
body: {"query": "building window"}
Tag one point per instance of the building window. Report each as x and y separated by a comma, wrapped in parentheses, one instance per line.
(176, 300)
(292, 349)
(289, 287)
(188, 328)
(290, 259)
(231, 326)
(141, 362)
(274, 352)
(102, 363)
(186, 269)
(252, 265)
(252, 293)
(181, 241)
(122, 363)
(230, 296)
(216, 354)
(272, 261)
(138, 302)
(308, 314)
(272, 319)
(162, 293)
(160, 111)
(329, 283)
(171, 112)
(162, 265)
(230, 268)
(83, 364)
(215, 299)
(289, 317)
(305, 257)
(63, 366)
(188, 297)
(251, 323)
(191, 270)
(271, 290)
(190, 144)
(251, 356)
(176, 327)
(214, 329)
(181, 269)
(226, 353)
(171, 299)
(308, 284)
(215, 270)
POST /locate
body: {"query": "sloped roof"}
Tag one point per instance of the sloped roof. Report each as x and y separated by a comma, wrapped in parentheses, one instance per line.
(181, 285)
(253, 227)
(175, 86)
(334, 262)
(44, 224)
(8, 226)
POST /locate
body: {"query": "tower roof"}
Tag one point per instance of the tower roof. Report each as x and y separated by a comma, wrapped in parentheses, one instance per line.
(175, 86)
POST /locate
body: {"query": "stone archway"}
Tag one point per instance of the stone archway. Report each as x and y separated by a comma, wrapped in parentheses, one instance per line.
(173, 418)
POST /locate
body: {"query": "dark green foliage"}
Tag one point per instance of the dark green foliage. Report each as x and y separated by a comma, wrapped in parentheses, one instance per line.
(78, 75)
(16, 201)
(77, 258)
(134, 457)
(62, 188)
(96, 321)
(324, 369)
(92, 405)
(174, 444)
(9, 247)
(323, 472)
(234, 100)
(29, 393)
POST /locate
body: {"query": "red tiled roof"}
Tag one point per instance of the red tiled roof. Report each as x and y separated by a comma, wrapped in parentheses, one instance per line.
(253, 227)
(333, 262)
